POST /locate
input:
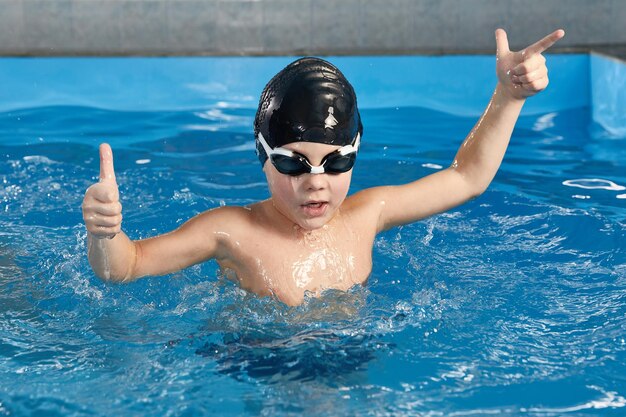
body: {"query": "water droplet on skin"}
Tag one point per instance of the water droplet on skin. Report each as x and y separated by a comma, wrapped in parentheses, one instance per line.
(351, 262)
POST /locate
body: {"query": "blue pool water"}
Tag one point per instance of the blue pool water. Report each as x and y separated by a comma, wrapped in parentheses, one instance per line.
(513, 304)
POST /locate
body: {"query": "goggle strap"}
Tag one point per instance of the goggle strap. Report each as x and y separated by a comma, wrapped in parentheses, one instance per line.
(344, 150)
(266, 147)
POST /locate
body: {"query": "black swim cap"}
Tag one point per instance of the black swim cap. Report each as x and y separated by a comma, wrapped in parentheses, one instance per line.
(310, 100)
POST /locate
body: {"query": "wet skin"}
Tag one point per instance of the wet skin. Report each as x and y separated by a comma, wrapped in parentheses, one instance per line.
(309, 236)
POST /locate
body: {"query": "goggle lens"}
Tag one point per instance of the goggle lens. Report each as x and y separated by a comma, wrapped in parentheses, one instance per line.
(290, 165)
(337, 163)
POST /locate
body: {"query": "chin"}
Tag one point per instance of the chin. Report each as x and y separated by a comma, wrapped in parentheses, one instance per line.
(313, 224)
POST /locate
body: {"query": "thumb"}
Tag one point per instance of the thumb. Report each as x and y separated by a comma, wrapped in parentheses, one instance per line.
(502, 43)
(106, 163)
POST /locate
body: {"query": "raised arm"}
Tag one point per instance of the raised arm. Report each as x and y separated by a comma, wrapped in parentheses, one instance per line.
(520, 75)
(113, 256)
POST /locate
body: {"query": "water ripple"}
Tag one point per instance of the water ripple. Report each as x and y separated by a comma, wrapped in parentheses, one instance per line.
(512, 304)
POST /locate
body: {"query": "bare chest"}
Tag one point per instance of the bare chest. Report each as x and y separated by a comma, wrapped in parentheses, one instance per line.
(290, 266)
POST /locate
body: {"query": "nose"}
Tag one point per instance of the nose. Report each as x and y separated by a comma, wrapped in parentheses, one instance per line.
(315, 182)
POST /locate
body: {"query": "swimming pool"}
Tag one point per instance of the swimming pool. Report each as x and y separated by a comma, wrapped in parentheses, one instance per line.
(513, 304)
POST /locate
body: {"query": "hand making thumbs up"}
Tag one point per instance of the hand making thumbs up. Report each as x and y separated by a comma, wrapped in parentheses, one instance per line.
(102, 210)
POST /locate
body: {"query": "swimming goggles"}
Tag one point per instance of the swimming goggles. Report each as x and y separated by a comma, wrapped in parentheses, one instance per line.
(292, 163)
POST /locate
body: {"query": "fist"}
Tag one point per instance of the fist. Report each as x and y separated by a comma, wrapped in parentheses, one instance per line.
(102, 211)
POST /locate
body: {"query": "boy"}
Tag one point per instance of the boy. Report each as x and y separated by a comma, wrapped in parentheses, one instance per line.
(308, 236)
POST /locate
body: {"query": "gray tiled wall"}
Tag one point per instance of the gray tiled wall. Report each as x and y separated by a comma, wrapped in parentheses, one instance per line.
(233, 27)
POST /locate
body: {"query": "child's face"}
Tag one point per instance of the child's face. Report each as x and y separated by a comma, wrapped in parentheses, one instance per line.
(308, 200)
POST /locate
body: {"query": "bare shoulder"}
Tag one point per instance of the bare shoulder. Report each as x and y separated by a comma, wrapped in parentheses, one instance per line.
(228, 222)
(367, 205)
(210, 232)
(396, 205)
(212, 225)
(224, 216)
(366, 199)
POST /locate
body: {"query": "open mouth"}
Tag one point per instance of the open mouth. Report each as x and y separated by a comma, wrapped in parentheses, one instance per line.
(315, 204)
(315, 208)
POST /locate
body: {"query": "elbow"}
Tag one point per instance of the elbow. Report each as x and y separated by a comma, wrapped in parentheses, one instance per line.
(114, 279)
(102, 272)
(472, 185)
(108, 276)
(111, 270)
(477, 191)
(112, 265)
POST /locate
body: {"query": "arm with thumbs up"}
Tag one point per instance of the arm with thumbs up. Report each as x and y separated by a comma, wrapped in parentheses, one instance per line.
(115, 257)
(111, 253)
